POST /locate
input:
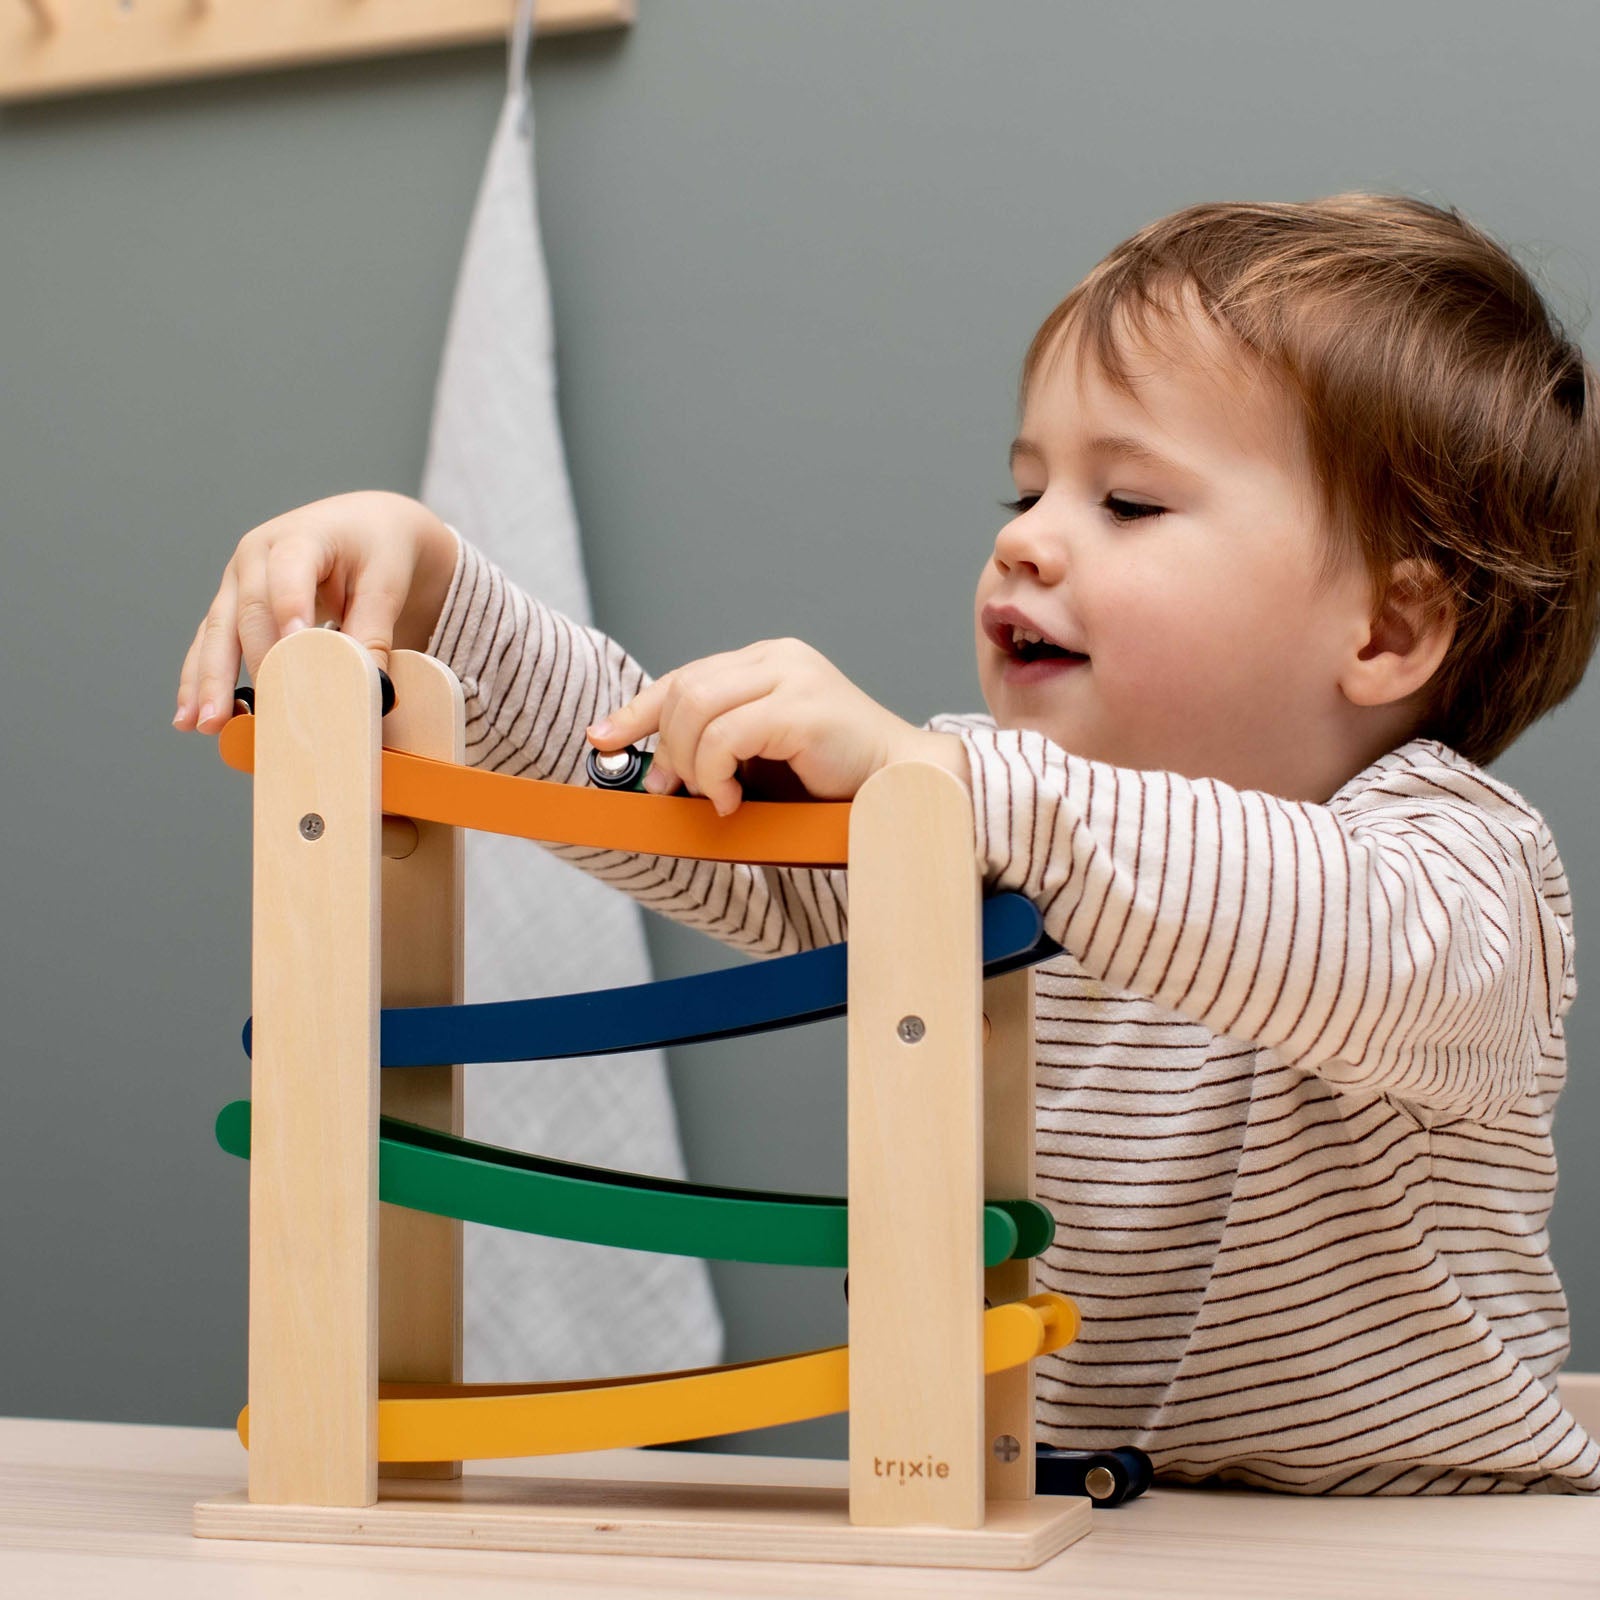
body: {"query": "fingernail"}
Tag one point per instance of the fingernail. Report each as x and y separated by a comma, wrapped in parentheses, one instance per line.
(601, 729)
(207, 712)
(178, 717)
(293, 625)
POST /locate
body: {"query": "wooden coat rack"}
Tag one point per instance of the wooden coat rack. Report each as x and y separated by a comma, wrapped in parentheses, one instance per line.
(61, 47)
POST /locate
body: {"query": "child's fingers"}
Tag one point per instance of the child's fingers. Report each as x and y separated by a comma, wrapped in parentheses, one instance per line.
(681, 706)
(635, 720)
(376, 601)
(257, 628)
(217, 662)
(701, 693)
(661, 779)
(188, 679)
(745, 733)
(689, 696)
(290, 573)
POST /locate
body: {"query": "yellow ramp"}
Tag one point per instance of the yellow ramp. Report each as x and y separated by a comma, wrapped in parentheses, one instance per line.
(474, 1422)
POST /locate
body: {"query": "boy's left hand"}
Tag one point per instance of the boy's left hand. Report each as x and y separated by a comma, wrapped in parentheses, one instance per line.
(781, 701)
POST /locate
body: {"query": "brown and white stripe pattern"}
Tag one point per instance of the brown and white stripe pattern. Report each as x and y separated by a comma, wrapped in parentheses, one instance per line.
(1295, 1080)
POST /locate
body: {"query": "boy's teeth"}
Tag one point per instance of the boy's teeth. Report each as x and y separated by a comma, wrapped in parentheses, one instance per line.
(1026, 636)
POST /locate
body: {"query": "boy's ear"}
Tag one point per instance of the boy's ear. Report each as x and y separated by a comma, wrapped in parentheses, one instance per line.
(1410, 631)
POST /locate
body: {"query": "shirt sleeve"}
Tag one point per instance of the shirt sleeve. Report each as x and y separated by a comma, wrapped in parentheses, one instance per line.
(534, 680)
(1412, 937)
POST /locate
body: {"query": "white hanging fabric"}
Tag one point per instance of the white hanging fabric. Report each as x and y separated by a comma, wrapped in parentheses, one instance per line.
(545, 1308)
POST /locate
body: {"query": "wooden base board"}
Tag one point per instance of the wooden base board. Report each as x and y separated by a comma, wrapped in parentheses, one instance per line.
(698, 1520)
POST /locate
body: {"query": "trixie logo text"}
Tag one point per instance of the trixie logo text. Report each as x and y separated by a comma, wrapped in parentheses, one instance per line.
(904, 1470)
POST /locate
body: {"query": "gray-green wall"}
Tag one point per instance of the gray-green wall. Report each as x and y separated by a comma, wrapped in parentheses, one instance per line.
(796, 250)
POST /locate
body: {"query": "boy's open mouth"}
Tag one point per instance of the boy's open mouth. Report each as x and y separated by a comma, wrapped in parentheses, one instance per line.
(1029, 653)
(1022, 647)
(1031, 661)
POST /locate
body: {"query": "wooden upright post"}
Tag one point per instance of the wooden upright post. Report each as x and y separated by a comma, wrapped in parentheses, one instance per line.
(419, 1255)
(314, 1077)
(1008, 1166)
(915, 1154)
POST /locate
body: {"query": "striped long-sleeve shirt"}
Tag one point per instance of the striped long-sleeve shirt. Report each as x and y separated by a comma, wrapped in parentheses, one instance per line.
(1296, 1074)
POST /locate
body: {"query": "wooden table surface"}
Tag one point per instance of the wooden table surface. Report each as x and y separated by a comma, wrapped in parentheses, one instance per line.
(104, 1509)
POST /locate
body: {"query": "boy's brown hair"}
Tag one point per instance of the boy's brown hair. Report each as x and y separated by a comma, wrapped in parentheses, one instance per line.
(1448, 416)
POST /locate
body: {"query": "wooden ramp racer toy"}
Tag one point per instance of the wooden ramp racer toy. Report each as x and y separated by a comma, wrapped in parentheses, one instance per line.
(358, 1422)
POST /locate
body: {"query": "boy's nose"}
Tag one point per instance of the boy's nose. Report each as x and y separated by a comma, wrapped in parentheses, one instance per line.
(1026, 542)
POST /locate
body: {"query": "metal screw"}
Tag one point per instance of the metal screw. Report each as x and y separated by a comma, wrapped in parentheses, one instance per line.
(312, 826)
(1099, 1482)
(1006, 1448)
(911, 1029)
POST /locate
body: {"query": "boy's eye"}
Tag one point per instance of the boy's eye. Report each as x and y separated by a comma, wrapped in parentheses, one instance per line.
(1130, 510)
(1121, 510)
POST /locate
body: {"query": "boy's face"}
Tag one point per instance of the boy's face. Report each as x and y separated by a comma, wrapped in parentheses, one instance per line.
(1173, 541)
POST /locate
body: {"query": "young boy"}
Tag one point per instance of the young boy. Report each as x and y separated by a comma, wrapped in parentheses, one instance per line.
(1308, 526)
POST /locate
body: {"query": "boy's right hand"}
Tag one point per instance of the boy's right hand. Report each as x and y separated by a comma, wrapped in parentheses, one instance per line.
(376, 563)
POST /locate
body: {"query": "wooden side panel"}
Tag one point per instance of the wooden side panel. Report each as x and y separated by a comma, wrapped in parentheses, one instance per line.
(1008, 1145)
(915, 1154)
(419, 1255)
(314, 1076)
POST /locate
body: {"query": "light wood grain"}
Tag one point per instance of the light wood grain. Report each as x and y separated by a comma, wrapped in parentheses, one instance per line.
(746, 1522)
(423, 899)
(314, 1077)
(99, 44)
(1008, 1169)
(89, 1510)
(915, 1154)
